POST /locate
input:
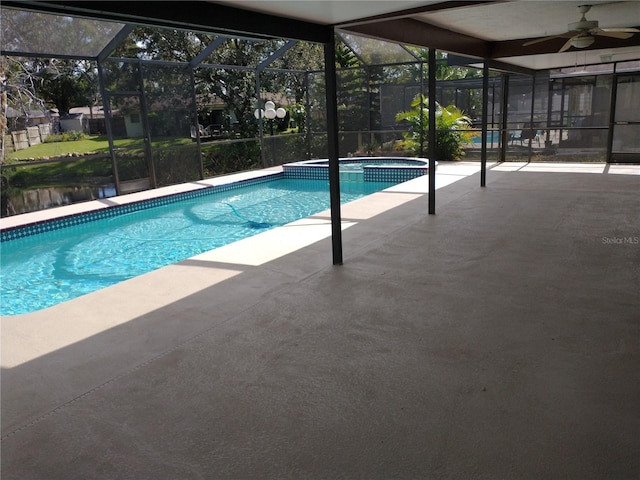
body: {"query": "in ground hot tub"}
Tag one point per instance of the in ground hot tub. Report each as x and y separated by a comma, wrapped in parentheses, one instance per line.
(364, 169)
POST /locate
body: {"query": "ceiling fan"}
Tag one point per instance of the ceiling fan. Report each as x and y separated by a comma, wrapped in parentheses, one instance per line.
(582, 33)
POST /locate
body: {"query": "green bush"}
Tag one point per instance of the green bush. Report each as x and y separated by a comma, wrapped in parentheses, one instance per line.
(230, 158)
(177, 164)
(452, 129)
(71, 136)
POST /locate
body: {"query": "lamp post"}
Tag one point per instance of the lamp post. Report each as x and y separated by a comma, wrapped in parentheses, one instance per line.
(270, 113)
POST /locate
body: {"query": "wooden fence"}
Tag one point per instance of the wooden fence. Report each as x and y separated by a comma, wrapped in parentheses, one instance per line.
(31, 136)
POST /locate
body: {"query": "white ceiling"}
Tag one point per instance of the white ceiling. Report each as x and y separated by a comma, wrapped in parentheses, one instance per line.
(532, 18)
(575, 58)
(326, 12)
(489, 21)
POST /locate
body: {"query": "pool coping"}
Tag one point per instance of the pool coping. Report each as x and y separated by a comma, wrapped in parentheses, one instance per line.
(418, 162)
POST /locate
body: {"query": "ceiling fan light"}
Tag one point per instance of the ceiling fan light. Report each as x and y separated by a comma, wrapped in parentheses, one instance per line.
(582, 41)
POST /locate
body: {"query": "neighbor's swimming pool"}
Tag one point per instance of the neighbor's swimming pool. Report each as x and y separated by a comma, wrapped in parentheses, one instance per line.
(55, 262)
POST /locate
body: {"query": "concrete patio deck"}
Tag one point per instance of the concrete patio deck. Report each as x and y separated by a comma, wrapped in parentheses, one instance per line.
(497, 339)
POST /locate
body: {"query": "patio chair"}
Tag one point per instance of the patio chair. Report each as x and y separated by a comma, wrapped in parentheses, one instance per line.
(526, 135)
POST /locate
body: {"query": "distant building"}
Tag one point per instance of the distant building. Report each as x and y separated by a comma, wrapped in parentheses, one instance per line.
(93, 121)
(19, 120)
(73, 122)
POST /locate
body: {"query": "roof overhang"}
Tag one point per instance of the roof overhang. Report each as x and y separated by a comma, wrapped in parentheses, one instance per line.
(190, 15)
(492, 31)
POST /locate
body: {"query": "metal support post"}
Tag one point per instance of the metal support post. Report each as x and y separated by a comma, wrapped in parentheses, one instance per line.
(333, 146)
(432, 131)
(504, 134)
(485, 117)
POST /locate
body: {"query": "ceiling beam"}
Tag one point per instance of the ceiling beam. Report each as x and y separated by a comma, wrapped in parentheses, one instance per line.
(509, 68)
(411, 12)
(460, 61)
(189, 15)
(414, 32)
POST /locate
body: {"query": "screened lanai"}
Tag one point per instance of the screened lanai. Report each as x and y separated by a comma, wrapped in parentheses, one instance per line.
(179, 115)
(140, 95)
(492, 340)
(179, 104)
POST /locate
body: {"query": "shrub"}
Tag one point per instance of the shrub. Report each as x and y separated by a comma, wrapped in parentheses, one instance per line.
(176, 165)
(452, 129)
(230, 158)
(70, 136)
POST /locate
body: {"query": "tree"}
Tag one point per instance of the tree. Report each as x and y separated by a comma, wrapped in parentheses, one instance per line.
(50, 83)
(345, 57)
(302, 57)
(20, 85)
(353, 89)
(443, 70)
(235, 87)
(163, 44)
(63, 84)
(216, 78)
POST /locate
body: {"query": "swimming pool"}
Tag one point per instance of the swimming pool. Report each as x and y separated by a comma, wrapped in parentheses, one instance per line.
(493, 137)
(52, 262)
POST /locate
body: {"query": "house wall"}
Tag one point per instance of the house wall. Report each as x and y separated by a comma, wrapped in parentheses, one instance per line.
(71, 124)
(133, 125)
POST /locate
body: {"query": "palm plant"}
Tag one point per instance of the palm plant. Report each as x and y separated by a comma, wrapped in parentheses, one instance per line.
(452, 129)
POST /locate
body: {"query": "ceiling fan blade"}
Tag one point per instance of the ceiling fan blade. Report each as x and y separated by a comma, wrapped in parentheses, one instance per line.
(566, 46)
(614, 34)
(621, 29)
(544, 39)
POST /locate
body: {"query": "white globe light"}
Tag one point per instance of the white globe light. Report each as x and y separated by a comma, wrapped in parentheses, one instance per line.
(269, 105)
(270, 113)
(281, 112)
(258, 113)
(582, 41)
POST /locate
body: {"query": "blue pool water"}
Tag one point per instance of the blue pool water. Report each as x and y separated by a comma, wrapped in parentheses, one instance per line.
(48, 268)
(493, 137)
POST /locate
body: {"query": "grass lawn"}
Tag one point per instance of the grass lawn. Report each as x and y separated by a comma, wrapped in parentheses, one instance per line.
(83, 168)
(74, 172)
(97, 144)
